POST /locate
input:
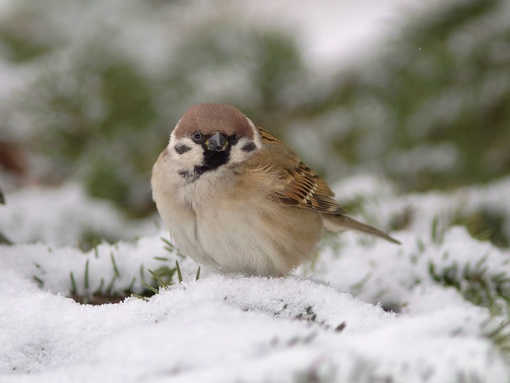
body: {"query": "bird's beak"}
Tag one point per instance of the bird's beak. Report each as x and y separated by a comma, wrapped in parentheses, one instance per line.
(217, 142)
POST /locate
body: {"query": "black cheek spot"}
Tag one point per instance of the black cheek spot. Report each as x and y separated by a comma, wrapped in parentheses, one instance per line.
(181, 148)
(249, 147)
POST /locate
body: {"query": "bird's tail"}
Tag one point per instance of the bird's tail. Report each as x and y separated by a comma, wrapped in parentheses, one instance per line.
(341, 222)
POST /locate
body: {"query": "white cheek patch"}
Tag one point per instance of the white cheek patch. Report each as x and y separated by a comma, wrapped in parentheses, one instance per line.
(237, 154)
(186, 153)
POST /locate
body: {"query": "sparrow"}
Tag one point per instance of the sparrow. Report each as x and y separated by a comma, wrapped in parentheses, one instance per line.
(235, 198)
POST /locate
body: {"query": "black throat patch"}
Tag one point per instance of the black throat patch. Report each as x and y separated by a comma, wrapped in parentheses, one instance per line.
(212, 160)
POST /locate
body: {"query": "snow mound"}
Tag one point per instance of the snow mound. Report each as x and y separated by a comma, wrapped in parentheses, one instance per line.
(233, 328)
(430, 310)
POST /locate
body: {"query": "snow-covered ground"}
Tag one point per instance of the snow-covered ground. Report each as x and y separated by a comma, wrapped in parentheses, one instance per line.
(326, 323)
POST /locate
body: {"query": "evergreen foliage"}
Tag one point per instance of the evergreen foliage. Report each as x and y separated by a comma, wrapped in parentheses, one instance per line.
(432, 111)
(428, 112)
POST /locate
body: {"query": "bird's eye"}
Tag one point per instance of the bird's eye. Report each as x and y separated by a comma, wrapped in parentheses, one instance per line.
(196, 136)
(233, 139)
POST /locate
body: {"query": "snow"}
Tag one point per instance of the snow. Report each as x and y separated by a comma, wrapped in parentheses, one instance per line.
(63, 216)
(234, 328)
(325, 323)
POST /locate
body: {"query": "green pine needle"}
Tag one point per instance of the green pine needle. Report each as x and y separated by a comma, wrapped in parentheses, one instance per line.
(179, 274)
(169, 246)
(87, 275)
(96, 251)
(39, 281)
(74, 290)
(142, 273)
(149, 287)
(161, 282)
(115, 268)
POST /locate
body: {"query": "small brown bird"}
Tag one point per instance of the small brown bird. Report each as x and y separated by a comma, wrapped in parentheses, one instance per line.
(237, 199)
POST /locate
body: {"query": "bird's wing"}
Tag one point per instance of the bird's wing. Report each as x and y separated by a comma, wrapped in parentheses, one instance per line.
(294, 183)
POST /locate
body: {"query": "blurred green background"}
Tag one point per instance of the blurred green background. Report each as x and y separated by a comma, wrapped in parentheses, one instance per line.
(98, 86)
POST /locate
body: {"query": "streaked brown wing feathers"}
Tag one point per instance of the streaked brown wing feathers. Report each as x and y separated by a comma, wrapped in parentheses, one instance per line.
(301, 186)
(267, 138)
(308, 190)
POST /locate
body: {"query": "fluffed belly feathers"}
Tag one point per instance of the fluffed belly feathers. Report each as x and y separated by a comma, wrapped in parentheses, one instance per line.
(249, 237)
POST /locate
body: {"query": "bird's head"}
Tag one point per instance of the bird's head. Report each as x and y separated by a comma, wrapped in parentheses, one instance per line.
(211, 136)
